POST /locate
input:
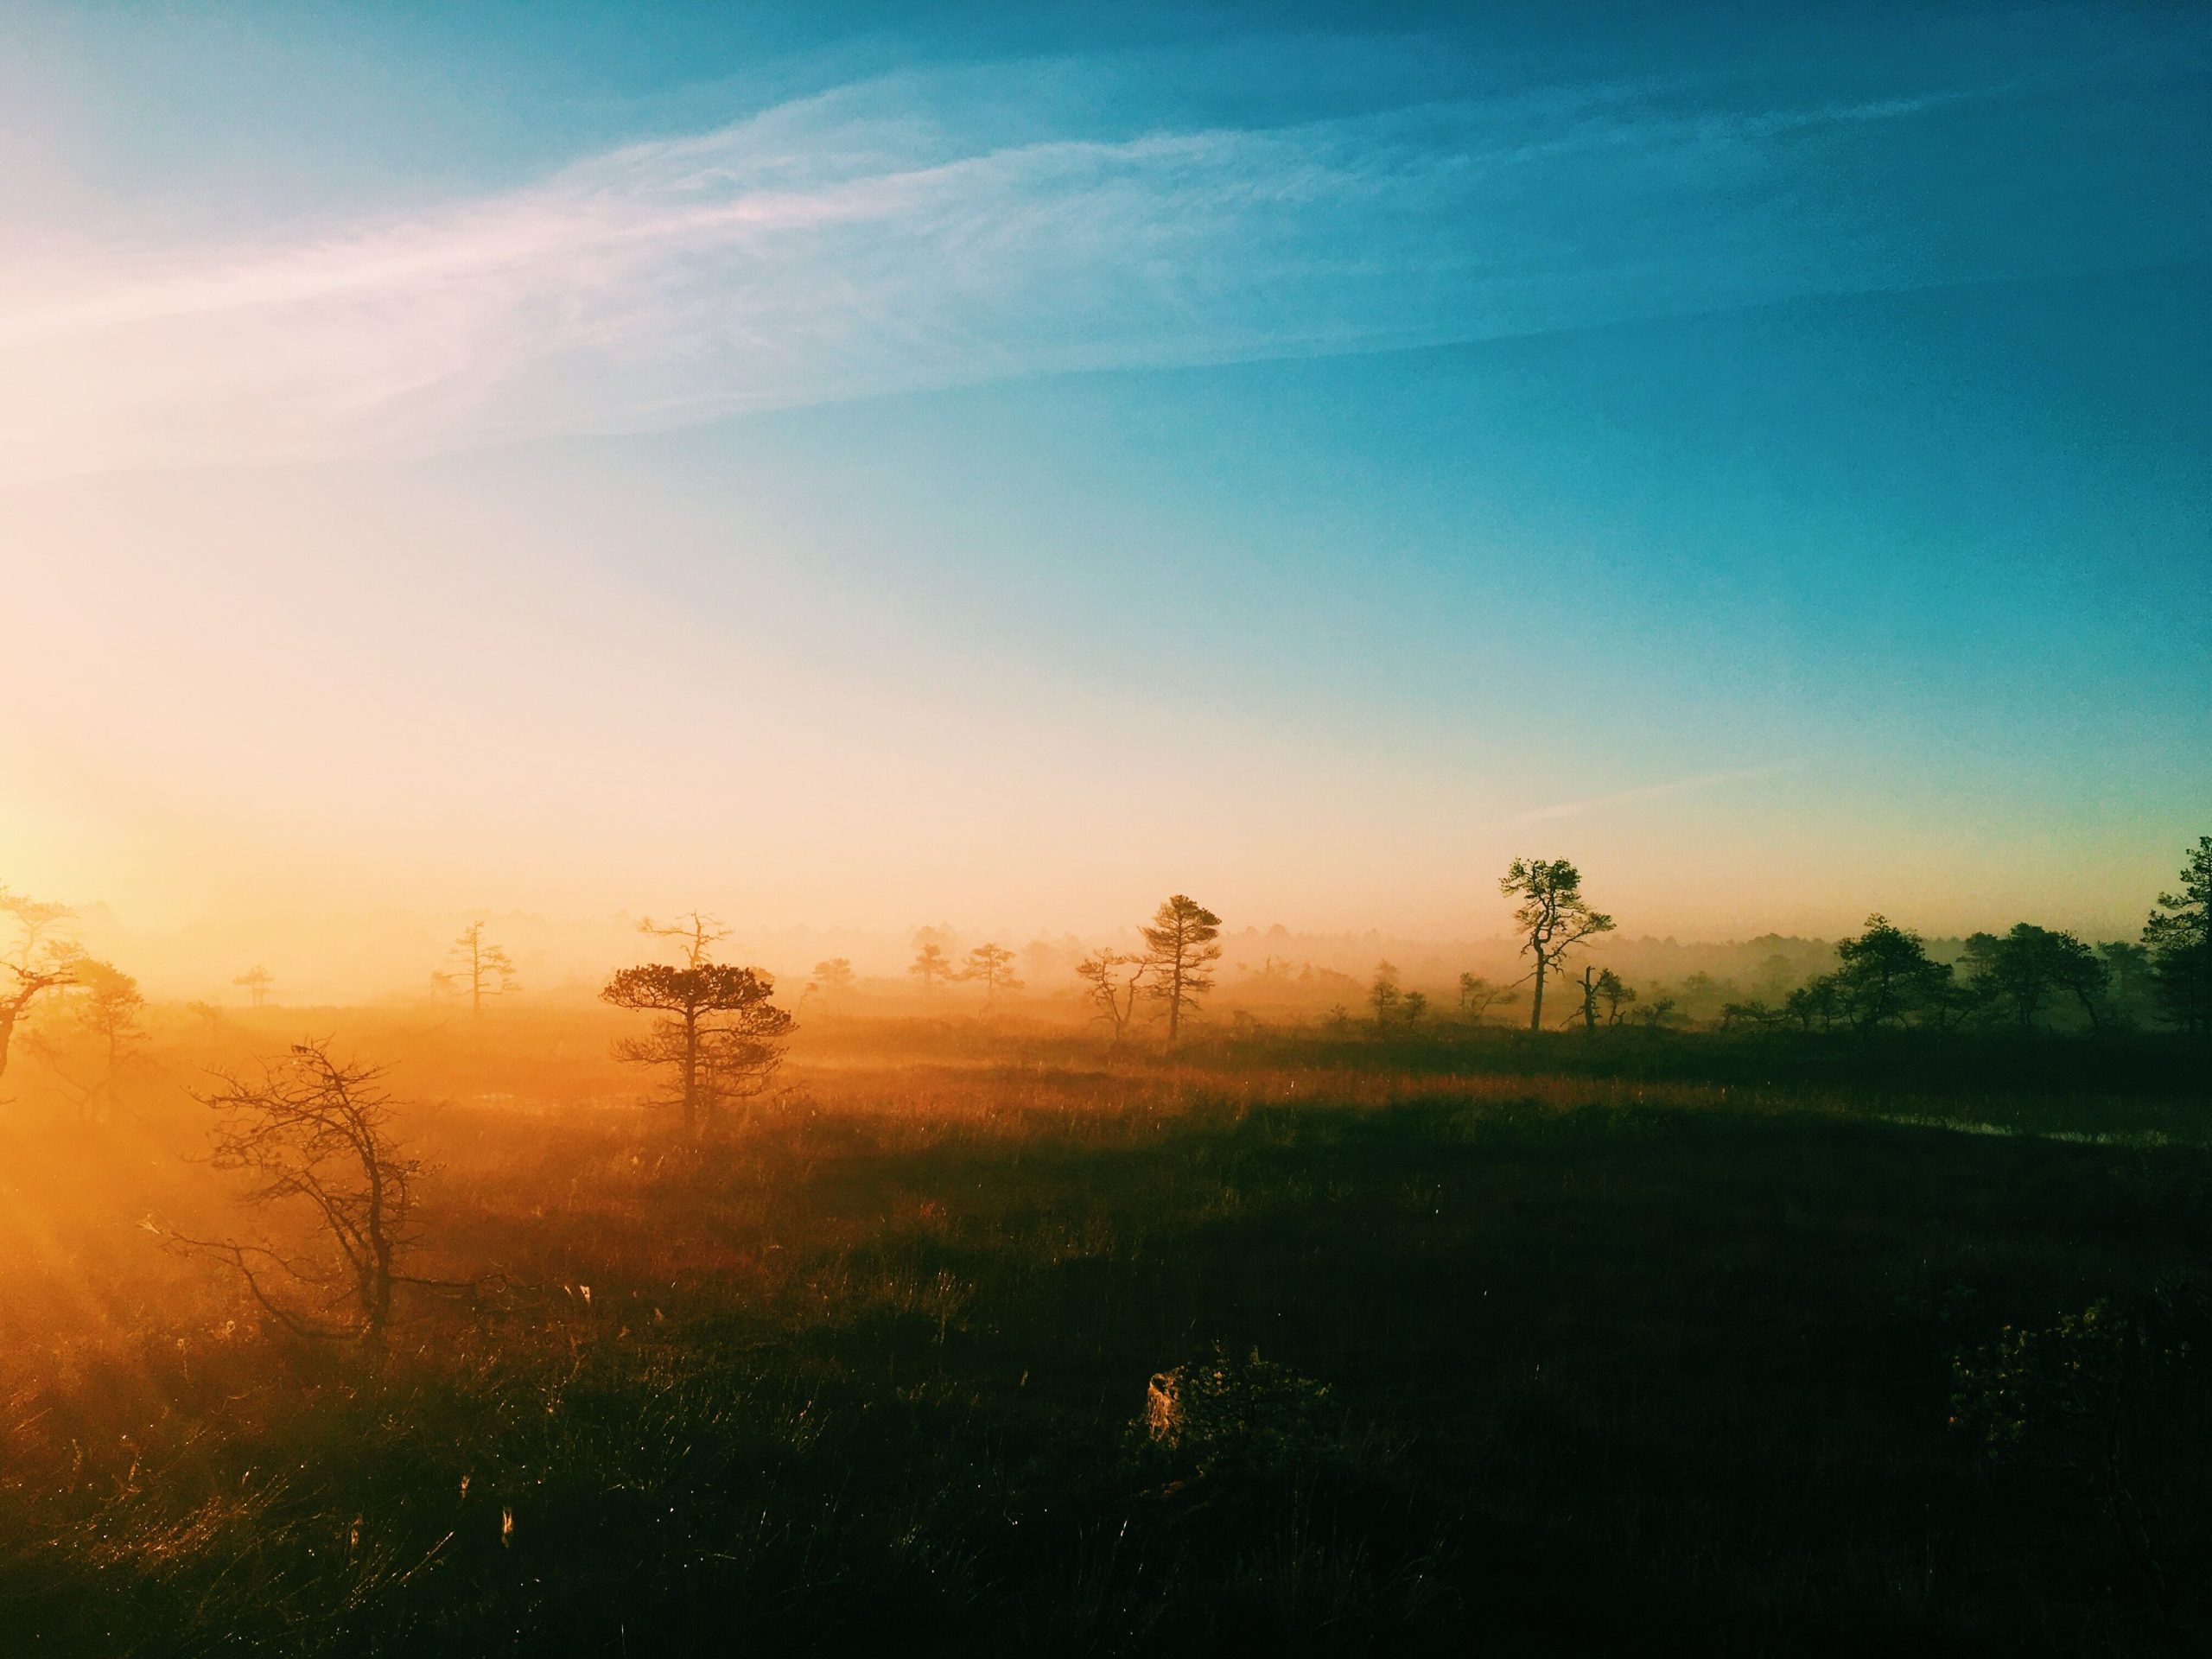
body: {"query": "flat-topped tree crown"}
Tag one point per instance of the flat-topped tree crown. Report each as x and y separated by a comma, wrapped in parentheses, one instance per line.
(1180, 950)
(992, 965)
(721, 1034)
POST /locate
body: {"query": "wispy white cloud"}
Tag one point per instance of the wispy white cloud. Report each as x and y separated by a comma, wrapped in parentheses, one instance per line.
(848, 245)
(1690, 785)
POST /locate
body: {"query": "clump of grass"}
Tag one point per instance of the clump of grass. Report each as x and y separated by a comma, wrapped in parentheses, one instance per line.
(1228, 1412)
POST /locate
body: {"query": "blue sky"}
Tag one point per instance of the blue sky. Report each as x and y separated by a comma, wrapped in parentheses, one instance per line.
(1025, 461)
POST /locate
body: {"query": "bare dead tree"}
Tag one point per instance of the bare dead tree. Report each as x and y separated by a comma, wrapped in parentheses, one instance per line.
(698, 932)
(721, 1034)
(313, 1135)
(480, 969)
(1114, 982)
(1587, 1007)
(37, 960)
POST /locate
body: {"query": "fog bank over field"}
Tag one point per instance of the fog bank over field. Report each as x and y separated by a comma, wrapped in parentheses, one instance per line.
(390, 956)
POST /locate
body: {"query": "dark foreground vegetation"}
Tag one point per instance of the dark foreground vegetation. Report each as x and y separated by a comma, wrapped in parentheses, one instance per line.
(1473, 1353)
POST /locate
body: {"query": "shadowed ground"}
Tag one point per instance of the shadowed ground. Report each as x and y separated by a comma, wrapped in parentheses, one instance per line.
(1675, 1373)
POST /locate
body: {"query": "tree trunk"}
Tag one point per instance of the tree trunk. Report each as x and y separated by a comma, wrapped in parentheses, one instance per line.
(377, 1298)
(1536, 1004)
(690, 1074)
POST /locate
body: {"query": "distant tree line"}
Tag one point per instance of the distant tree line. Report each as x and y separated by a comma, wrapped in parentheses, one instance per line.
(2021, 979)
(718, 1036)
(2029, 978)
(313, 1134)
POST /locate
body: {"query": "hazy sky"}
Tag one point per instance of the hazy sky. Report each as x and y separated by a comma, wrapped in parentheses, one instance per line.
(831, 470)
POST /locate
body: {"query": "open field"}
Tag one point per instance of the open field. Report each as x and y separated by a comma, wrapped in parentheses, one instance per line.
(1105, 829)
(1614, 1354)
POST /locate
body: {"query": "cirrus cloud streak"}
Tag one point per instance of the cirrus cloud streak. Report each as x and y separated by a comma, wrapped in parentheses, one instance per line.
(861, 244)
